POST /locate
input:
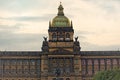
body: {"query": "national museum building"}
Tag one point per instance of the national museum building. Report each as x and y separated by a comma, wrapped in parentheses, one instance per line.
(60, 58)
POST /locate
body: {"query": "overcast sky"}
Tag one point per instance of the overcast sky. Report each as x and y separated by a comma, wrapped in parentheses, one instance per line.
(23, 23)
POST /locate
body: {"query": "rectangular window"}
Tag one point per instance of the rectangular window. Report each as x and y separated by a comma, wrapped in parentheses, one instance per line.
(83, 62)
(114, 61)
(89, 62)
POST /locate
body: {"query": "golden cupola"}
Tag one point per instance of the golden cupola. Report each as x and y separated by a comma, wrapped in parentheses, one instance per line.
(60, 20)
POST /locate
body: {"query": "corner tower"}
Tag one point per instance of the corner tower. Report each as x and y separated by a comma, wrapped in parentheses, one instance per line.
(61, 33)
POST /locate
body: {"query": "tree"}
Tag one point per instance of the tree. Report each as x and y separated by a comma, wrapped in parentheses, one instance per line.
(108, 75)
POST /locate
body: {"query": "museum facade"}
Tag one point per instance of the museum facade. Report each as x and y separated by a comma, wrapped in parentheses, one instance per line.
(60, 58)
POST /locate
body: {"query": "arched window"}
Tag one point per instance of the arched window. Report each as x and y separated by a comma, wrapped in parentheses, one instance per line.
(67, 36)
(54, 37)
(61, 36)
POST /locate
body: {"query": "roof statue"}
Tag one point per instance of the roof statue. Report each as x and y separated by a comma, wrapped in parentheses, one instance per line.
(45, 38)
(76, 38)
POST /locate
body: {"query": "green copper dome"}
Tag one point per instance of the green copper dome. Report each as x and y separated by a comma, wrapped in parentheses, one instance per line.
(60, 20)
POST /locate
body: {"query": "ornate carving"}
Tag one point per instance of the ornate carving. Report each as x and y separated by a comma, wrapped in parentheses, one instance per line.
(61, 66)
(61, 51)
(57, 72)
(76, 38)
(45, 38)
(76, 46)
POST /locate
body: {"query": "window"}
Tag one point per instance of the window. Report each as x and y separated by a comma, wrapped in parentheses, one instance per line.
(90, 62)
(114, 61)
(108, 62)
(7, 62)
(54, 37)
(102, 62)
(83, 62)
(25, 62)
(67, 36)
(67, 70)
(13, 62)
(61, 36)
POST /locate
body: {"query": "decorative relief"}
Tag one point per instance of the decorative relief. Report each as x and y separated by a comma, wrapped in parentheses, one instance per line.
(64, 65)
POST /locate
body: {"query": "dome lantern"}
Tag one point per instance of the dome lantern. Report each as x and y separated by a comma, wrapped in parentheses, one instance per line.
(60, 10)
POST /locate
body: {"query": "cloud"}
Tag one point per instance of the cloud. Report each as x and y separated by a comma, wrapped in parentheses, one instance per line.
(17, 5)
(110, 6)
(86, 46)
(96, 22)
(28, 18)
(9, 28)
(13, 41)
(10, 39)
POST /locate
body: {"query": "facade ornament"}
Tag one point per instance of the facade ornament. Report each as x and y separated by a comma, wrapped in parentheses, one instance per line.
(45, 38)
(45, 47)
(76, 38)
(76, 46)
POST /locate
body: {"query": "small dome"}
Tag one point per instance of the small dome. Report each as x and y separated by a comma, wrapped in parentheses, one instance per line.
(60, 20)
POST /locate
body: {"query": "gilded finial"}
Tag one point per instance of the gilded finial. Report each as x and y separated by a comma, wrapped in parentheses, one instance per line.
(60, 10)
(60, 2)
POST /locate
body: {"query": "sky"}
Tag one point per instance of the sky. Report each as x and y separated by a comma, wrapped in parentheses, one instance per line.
(24, 23)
